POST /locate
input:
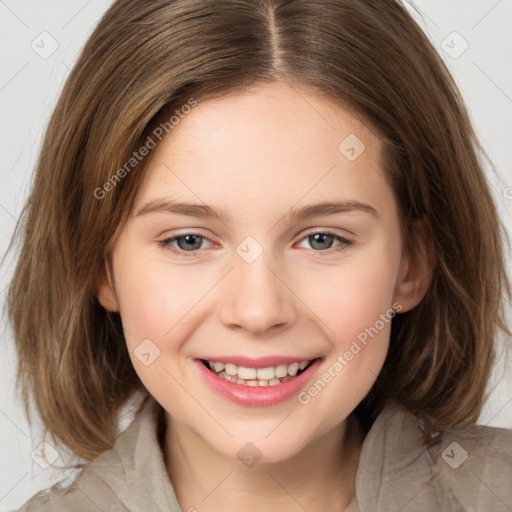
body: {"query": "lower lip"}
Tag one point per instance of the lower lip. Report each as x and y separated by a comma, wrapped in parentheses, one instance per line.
(258, 396)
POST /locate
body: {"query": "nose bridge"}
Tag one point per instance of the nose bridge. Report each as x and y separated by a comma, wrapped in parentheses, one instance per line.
(255, 298)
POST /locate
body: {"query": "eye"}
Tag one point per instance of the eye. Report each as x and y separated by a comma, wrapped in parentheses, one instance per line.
(187, 244)
(322, 241)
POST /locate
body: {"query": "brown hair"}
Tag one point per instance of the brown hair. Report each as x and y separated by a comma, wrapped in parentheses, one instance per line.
(147, 58)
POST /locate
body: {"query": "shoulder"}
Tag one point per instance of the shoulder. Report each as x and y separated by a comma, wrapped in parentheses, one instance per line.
(468, 469)
(474, 444)
(119, 479)
(474, 464)
(88, 492)
(73, 497)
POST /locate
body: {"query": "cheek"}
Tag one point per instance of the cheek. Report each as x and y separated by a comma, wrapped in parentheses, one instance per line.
(353, 295)
(155, 295)
(155, 305)
(159, 298)
(354, 302)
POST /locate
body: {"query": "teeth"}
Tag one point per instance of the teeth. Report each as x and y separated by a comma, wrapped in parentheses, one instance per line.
(257, 376)
(231, 369)
(246, 373)
(255, 383)
(293, 369)
(219, 367)
(281, 371)
(266, 373)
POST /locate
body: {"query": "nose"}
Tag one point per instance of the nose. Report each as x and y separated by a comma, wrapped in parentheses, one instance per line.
(256, 298)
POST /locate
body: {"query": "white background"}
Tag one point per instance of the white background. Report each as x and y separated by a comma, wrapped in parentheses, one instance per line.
(30, 84)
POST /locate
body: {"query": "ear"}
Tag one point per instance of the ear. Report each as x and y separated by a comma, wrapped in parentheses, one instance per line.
(416, 268)
(106, 292)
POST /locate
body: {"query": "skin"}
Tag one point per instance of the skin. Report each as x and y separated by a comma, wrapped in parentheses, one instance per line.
(256, 156)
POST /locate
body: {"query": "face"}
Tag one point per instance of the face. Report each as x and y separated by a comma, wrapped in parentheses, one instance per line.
(256, 276)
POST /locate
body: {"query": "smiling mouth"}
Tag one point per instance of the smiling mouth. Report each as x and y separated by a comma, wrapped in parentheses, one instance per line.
(269, 376)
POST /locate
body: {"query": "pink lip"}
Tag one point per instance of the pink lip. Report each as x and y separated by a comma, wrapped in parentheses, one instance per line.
(260, 362)
(257, 396)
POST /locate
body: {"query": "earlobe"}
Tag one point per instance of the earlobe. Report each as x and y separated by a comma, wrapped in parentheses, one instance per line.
(106, 293)
(416, 268)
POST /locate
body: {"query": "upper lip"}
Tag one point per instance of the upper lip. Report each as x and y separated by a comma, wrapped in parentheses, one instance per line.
(260, 362)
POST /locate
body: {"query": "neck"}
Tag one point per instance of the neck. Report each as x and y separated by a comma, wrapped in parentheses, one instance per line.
(318, 478)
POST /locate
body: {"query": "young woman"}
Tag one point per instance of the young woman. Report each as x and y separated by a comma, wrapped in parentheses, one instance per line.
(268, 220)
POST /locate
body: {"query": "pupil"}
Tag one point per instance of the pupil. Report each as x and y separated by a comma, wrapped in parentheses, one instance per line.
(322, 238)
(190, 243)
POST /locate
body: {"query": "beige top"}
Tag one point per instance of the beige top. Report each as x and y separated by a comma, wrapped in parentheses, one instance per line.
(470, 470)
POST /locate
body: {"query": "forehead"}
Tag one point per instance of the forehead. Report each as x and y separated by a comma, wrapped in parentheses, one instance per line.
(275, 143)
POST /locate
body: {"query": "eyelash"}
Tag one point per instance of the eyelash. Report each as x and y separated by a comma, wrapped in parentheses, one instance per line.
(344, 243)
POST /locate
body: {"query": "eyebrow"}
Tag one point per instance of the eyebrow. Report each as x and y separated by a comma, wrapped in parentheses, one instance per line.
(205, 211)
